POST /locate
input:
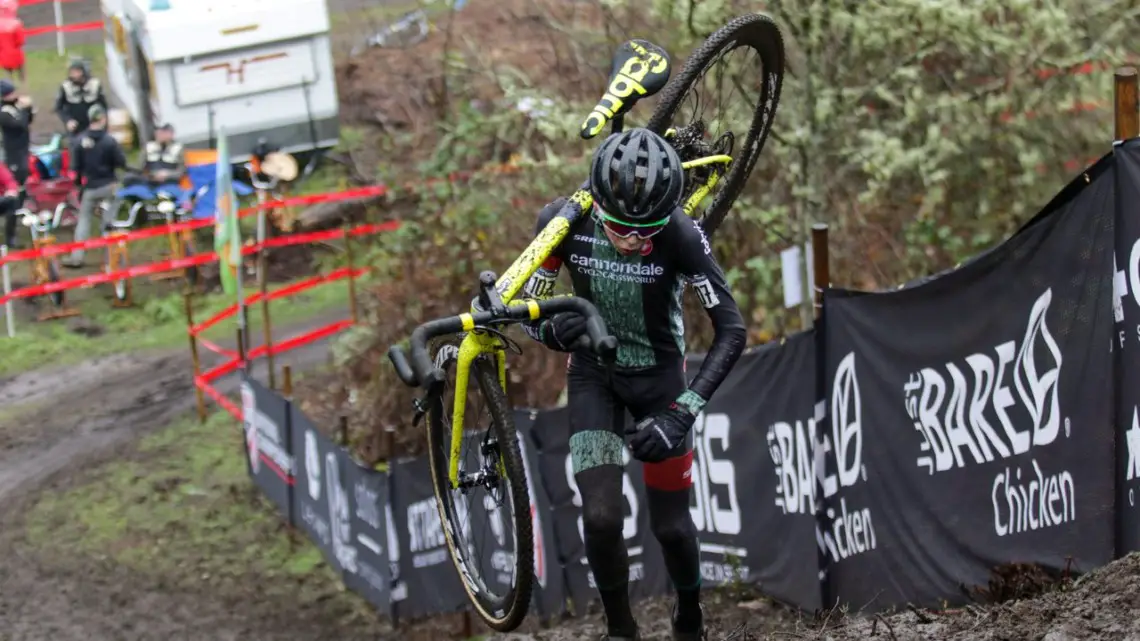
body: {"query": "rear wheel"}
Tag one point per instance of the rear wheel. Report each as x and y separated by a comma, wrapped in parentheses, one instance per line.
(746, 56)
(492, 497)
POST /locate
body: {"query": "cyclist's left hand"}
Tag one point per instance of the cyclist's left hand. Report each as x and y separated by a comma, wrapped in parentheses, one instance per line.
(659, 436)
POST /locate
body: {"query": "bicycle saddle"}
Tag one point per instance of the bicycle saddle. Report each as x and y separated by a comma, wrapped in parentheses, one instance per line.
(640, 69)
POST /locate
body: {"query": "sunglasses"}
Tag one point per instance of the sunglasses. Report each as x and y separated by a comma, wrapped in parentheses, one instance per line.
(623, 230)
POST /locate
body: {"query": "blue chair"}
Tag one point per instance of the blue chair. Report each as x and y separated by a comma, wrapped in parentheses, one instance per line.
(200, 198)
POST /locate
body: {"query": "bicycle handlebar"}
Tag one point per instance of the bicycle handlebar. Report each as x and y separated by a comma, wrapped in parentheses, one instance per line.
(419, 369)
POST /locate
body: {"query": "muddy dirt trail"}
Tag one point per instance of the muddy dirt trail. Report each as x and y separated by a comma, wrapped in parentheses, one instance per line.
(70, 418)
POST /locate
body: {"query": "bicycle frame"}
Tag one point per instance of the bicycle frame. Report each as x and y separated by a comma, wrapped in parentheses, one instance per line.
(477, 343)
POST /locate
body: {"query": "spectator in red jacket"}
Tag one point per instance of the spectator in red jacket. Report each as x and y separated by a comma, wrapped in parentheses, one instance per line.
(11, 40)
(8, 205)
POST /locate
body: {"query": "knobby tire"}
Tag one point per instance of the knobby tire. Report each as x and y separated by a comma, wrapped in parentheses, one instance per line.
(507, 613)
(759, 32)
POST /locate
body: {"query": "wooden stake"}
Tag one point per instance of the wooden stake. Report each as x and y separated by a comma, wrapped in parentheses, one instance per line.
(194, 356)
(821, 265)
(265, 320)
(1127, 104)
(351, 276)
(287, 381)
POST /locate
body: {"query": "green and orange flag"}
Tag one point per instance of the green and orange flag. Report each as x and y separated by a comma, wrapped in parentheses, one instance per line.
(227, 234)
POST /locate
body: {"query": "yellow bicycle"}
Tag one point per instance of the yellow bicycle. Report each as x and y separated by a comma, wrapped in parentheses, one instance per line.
(446, 353)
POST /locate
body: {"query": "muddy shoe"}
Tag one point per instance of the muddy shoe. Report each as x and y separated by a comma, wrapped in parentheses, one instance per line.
(700, 635)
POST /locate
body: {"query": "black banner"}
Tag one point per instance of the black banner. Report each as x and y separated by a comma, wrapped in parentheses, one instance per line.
(268, 443)
(367, 530)
(426, 570)
(551, 433)
(1126, 343)
(550, 589)
(320, 500)
(756, 513)
(971, 416)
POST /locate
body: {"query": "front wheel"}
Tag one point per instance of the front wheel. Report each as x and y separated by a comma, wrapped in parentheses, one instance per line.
(492, 497)
(745, 56)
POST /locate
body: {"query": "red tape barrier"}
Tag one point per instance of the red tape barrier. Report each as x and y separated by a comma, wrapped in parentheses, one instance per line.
(152, 232)
(24, 3)
(67, 28)
(191, 261)
(284, 292)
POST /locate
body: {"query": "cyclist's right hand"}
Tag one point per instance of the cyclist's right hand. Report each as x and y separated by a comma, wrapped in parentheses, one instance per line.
(562, 331)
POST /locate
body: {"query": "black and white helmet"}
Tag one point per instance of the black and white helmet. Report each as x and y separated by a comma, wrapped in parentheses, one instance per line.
(636, 177)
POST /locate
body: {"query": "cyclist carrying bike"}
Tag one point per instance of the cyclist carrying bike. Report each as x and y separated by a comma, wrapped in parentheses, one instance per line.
(632, 258)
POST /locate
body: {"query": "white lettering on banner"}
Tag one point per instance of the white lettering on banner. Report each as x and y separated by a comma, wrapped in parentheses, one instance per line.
(263, 434)
(629, 525)
(425, 534)
(343, 549)
(316, 523)
(1038, 502)
(312, 465)
(367, 504)
(800, 453)
(715, 512)
(1132, 468)
(951, 422)
(1124, 282)
(399, 587)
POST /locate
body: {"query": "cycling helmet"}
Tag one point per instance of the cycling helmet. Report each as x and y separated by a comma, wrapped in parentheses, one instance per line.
(636, 178)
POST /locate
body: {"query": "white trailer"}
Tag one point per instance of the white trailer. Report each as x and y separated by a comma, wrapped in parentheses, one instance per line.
(260, 68)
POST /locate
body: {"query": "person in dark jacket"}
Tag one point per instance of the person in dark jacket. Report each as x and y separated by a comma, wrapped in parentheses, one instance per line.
(77, 95)
(16, 115)
(97, 157)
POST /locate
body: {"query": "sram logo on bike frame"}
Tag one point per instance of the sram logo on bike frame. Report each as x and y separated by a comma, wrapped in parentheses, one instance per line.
(640, 68)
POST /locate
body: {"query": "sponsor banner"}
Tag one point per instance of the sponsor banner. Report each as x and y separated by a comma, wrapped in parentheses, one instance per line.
(755, 514)
(427, 581)
(647, 573)
(320, 502)
(550, 589)
(268, 444)
(367, 531)
(970, 416)
(1126, 343)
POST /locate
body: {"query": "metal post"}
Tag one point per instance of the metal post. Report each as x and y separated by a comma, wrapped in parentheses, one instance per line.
(351, 275)
(262, 285)
(820, 264)
(194, 356)
(1127, 104)
(8, 290)
(59, 27)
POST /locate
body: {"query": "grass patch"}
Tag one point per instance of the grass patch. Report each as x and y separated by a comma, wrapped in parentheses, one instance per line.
(156, 324)
(183, 510)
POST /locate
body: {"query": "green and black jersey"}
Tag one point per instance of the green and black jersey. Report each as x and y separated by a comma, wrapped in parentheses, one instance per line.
(639, 296)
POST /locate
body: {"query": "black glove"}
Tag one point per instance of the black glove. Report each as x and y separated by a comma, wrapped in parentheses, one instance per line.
(562, 331)
(661, 435)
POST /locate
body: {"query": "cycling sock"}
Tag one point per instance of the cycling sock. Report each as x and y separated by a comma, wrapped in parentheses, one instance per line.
(603, 515)
(688, 616)
(672, 524)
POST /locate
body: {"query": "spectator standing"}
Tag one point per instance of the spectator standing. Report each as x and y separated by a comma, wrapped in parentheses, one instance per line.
(97, 157)
(11, 40)
(77, 95)
(16, 115)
